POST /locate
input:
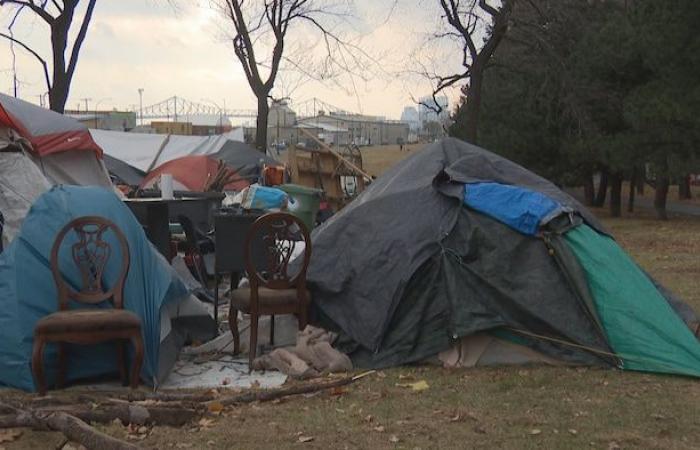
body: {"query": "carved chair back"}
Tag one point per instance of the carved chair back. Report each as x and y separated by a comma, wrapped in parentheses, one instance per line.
(91, 254)
(279, 234)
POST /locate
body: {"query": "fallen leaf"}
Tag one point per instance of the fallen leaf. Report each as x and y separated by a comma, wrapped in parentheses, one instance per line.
(572, 431)
(215, 407)
(183, 445)
(613, 446)
(211, 443)
(417, 386)
(381, 374)
(206, 423)
(369, 418)
(306, 438)
(379, 429)
(658, 417)
(480, 429)
(10, 435)
(338, 390)
(535, 431)
(406, 377)
(394, 438)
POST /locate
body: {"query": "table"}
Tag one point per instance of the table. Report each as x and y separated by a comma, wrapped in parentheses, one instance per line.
(155, 215)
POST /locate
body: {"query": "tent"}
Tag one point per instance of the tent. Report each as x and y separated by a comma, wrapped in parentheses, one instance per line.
(60, 146)
(148, 151)
(245, 159)
(456, 247)
(21, 182)
(193, 173)
(27, 292)
(123, 173)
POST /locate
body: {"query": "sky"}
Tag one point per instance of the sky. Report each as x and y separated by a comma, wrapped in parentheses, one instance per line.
(181, 48)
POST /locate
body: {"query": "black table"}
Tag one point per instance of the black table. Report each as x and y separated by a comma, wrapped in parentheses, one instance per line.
(155, 215)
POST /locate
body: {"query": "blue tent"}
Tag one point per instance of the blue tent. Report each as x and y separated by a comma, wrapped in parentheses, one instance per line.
(28, 292)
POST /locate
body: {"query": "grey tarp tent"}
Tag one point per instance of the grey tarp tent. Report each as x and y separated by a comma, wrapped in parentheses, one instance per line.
(405, 269)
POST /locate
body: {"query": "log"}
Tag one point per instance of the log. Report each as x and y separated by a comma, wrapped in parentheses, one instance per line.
(129, 413)
(72, 428)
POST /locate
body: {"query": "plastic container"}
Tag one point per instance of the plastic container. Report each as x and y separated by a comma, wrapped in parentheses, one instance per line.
(305, 203)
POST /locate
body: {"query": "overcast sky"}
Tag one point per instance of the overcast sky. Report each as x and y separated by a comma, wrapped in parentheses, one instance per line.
(183, 51)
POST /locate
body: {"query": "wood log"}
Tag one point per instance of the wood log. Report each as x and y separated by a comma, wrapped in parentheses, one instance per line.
(72, 428)
(174, 416)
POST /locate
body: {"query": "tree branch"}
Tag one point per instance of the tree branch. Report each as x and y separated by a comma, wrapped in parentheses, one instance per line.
(80, 38)
(35, 54)
(39, 10)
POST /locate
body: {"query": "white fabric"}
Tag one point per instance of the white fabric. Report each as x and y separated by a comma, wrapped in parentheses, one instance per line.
(21, 183)
(141, 150)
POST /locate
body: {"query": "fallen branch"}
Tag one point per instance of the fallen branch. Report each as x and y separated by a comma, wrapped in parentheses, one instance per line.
(72, 427)
(273, 394)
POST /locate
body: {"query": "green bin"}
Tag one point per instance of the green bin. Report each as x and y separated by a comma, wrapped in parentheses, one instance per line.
(307, 202)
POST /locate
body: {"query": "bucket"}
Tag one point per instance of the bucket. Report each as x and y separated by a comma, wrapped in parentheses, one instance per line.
(304, 202)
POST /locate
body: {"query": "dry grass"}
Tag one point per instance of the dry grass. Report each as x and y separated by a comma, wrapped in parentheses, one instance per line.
(513, 407)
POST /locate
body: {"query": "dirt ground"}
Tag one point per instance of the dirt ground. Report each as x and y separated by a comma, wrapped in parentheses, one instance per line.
(509, 407)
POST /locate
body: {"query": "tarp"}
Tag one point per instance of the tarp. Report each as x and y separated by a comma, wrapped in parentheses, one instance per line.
(28, 293)
(245, 159)
(21, 183)
(521, 209)
(148, 151)
(641, 326)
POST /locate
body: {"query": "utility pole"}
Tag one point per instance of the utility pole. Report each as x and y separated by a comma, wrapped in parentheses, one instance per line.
(141, 105)
(86, 100)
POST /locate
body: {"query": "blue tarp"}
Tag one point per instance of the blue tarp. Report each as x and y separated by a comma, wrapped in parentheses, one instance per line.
(521, 209)
(28, 292)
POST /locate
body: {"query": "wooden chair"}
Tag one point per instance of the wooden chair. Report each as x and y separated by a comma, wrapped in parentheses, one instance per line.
(273, 290)
(91, 254)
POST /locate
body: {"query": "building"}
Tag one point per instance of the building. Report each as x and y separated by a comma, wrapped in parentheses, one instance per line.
(209, 124)
(177, 128)
(105, 120)
(281, 120)
(363, 129)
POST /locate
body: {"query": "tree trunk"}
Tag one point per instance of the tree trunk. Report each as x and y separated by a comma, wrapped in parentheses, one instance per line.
(684, 192)
(473, 104)
(641, 180)
(633, 183)
(660, 195)
(589, 190)
(602, 189)
(616, 194)
(261, 125)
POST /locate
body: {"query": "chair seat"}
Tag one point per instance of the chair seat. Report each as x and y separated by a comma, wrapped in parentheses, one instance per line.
(240, 298)
(88, 320)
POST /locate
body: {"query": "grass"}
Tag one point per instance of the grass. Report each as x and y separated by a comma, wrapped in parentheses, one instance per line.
(508, 407)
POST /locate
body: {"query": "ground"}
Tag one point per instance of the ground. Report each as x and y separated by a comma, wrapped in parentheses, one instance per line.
(511, 407)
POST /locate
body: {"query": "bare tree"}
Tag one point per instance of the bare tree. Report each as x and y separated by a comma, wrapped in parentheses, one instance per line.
(59, 15)
(465, 20)
(260, 44)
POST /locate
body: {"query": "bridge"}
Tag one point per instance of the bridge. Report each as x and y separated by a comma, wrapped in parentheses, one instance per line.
(177, 107)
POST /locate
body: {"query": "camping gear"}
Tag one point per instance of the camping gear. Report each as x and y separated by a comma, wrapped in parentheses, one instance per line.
(85, 240)
(195, 173)
(305, 202)
(274, 288)
(60, 146)
(153, 291)
(263, 198)
(273, 175)
(248, 161)
(454, 241)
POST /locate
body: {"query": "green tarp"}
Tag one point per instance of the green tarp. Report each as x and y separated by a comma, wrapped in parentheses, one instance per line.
(641, 326)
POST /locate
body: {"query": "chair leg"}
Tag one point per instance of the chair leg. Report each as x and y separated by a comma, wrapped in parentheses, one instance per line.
(61, 374)
(38, 365)
(303, 317)
(253, 341)
(272, 331)
(233, 325)
(121, 362)
(137, 342)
